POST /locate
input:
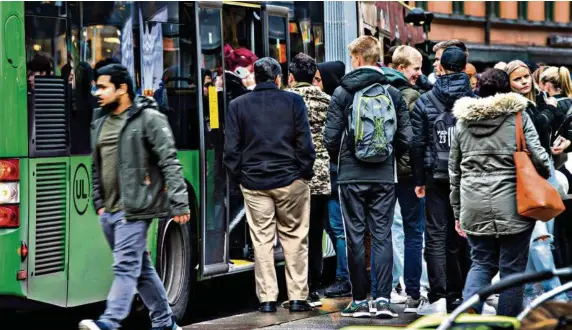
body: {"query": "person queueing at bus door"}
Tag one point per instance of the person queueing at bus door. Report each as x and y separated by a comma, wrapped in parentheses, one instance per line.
(269, 151)
(302, 71)
(133, 148)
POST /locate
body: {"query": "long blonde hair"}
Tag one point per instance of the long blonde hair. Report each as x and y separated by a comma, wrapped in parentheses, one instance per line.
(559, 78)
(516, 64)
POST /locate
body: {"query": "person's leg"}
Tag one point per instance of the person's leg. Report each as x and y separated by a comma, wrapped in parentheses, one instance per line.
(337, 225)
(354, 216)
(413, 227)
(293, 221)
(398, 238)
(318, 208)
(436, 241)
(129, 245)
(261, 217)
(514, 251)
(485, 252)
(542, 259)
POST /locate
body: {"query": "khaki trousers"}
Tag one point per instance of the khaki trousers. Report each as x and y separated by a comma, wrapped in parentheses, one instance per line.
(285, 211)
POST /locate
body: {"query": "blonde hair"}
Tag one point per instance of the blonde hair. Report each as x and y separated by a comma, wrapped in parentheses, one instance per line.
(559, 78)
(367, 47)
(513, 66)
(403, 56)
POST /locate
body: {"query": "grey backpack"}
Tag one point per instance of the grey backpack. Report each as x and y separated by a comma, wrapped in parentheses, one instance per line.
(372, 123)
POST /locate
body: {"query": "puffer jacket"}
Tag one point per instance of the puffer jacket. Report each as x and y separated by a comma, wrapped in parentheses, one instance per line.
(447, 90)
(317, 103)
(481, 164)
(149, 172)
(410, 96)
(350, 169)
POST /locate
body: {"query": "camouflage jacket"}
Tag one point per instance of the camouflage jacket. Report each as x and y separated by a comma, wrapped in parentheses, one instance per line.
(317, 103)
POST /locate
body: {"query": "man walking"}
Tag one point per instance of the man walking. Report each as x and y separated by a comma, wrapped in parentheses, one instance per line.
(136, 178)
(268, 149)
(366, 176)
(433, 124)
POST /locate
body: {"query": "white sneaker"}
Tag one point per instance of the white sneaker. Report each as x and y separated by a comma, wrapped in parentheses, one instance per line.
(396, 298)
(437, 308)
(488, 310)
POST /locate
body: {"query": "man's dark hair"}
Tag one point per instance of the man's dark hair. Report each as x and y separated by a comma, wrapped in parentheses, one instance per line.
(40, 63)
(388, 57)
(103, 63)
(303, 68)
(266, 69)
(118, 76)
(494, 81)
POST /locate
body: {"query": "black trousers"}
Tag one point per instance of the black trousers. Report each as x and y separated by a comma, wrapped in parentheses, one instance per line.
(318, 212)
(446, 253)
(368, 205)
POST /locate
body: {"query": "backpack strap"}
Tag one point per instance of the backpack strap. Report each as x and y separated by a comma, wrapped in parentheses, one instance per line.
(434, 99)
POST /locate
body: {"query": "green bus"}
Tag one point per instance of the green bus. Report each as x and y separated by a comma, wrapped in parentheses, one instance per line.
(52, 250)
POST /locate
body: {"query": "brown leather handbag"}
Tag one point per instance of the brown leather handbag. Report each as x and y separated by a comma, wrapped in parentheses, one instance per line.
(536, 198)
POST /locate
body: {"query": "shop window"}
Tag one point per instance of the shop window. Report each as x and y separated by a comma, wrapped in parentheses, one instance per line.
(494, 8)
(458, 8)
(549, 11)
(523, 10)
(422, 4)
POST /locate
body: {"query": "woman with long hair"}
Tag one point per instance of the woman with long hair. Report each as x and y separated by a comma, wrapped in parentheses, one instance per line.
(556, 83)
(547, 119)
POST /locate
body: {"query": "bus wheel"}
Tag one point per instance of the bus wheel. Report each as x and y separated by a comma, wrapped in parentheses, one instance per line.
(174, 264)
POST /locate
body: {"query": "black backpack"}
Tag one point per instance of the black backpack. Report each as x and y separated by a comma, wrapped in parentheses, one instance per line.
(443, 130)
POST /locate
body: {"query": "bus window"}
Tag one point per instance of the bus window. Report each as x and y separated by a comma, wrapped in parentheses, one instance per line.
(243, 28)
(277, 43)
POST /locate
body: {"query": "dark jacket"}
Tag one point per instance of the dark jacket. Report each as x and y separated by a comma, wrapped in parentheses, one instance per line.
(149, 172)
(350, 169)
(441, 98)
(268, 143)
(410, 96)
(481, 164)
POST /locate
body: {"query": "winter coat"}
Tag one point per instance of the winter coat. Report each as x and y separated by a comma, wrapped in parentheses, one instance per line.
(481, 164)
(447, 90)
(350, 169)
(317, 104)
(410, 96)
(268, 143)
(149, 172)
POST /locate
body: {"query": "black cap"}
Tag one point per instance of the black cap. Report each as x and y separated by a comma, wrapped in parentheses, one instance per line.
(267, 67)
(454, 59)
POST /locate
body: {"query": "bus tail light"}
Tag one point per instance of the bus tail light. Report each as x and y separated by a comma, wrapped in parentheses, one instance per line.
(9, 170)
(21, 275)
(23, 251)
(9, 216)
(9, 193)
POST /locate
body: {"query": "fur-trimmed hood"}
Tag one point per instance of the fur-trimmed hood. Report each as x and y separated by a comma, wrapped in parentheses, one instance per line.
(483, 116)
(475, 109)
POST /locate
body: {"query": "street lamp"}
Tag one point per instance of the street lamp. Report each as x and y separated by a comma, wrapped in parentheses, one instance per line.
(420, 17)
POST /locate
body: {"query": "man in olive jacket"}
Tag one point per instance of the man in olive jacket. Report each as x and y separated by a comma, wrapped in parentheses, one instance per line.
(136, 177)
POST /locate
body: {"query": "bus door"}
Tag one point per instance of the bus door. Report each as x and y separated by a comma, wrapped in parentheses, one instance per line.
(277, 37)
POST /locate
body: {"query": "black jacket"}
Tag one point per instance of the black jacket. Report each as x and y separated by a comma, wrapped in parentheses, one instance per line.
(447, 90)
(268, 143)
(149, 172)
(350, 169)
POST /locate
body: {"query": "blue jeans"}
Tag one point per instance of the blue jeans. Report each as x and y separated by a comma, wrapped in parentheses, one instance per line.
(337, 228)
(132, 270)
(398, 238)
(507, 253)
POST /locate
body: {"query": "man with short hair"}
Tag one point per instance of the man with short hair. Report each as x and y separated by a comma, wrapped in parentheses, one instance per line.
(367, 189)
(433, 122)
(269, 151)
(441, 46)
(136, 178)
(302, 71)
(406, 70)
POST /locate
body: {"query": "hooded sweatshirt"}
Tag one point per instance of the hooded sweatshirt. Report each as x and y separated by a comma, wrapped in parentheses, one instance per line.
(331, 73)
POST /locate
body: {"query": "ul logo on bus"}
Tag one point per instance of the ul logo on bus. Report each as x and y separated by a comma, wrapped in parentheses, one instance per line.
(81, 189)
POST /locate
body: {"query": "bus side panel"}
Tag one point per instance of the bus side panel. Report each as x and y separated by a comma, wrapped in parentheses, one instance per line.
(48, 229)
(10, 241)
(13, 108)
(90, 258)
(190, 161)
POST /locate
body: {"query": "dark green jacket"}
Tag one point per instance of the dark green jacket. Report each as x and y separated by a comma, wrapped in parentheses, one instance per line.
(481, 164)
(149, 173)
(410, 96)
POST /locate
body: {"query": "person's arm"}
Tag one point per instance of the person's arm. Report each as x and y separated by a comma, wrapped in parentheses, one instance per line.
(97, 196)
(233, 143)
(419, 123)
(538, 154)
(335, 124)
(455, 174)
(305, 153)
(162, 144)
(404, 135)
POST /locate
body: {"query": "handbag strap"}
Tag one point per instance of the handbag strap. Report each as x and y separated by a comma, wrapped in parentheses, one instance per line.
(520, 141)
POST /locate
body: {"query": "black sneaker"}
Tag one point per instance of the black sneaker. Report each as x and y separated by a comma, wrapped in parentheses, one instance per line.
(451, 306)
(341, 288)
(384, 310)
(314, 299)
(411, 305)
(357, 310)
(299, 306)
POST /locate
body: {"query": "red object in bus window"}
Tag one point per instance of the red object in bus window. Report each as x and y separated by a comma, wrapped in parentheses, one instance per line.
(9, 216)
(9, 170)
